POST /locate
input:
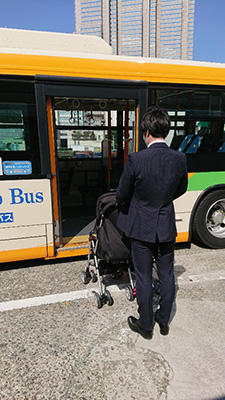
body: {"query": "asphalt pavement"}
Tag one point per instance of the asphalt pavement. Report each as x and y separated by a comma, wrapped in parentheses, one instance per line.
(65, 348)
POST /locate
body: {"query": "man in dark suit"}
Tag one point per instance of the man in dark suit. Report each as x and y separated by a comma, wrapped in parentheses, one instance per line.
(151, 180)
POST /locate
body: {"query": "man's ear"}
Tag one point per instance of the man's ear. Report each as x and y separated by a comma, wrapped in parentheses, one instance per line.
(147, 133)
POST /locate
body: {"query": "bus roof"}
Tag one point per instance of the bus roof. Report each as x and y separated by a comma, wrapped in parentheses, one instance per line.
(27, 41)
(21, 41)
(34, 53)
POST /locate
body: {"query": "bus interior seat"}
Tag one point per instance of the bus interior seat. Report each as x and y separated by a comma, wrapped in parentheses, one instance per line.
(221, 148)
(221, 144)
(208, 142)
(185, 142)
(176, 141)
(194, 145)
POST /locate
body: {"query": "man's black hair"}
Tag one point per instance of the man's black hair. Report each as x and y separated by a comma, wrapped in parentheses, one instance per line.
(157, 121)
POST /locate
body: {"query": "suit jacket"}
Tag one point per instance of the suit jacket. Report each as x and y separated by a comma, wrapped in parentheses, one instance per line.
(150, 181)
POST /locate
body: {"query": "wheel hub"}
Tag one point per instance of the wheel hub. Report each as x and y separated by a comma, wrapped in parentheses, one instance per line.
(215, 219)
(218, 217)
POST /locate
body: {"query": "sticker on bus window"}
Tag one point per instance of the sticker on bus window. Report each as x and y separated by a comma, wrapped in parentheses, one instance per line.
(17, 167)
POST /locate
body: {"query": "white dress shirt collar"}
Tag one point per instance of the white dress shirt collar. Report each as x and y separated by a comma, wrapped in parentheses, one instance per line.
(157, 141)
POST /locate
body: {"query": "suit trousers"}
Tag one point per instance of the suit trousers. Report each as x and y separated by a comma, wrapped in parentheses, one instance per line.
(142, 255)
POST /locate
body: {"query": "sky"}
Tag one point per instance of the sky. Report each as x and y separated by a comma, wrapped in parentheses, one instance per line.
(209, 32)
(58, 16)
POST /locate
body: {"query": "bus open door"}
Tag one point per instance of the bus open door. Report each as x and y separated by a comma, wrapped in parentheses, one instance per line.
(89, 140)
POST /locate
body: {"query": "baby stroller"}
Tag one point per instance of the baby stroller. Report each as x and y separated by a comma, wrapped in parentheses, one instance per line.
(109, 251)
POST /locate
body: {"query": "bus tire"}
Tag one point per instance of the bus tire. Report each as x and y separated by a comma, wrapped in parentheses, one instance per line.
(209, 220)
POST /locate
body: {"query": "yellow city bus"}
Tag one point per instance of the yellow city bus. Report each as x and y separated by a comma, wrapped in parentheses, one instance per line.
(67, 123)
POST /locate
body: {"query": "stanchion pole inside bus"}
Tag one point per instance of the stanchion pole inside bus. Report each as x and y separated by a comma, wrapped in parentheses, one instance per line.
(109, 149)
(126, 132)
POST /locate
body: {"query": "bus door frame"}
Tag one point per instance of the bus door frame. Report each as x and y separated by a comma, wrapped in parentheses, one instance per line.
(47, 87)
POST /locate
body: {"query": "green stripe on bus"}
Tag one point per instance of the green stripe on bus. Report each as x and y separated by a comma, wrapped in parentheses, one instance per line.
(202, 180)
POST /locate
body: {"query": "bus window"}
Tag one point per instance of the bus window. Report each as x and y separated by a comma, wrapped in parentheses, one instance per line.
(222, 145)
(19, 147)
(197, 125)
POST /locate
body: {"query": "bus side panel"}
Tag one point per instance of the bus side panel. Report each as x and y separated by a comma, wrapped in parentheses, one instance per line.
(26, 221)
(183, 208)
(23, 249)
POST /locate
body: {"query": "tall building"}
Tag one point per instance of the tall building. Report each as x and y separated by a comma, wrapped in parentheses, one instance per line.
(149, 28)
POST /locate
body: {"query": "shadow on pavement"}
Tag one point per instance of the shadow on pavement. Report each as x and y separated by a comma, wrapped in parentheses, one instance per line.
(38, 262)
(217, 398)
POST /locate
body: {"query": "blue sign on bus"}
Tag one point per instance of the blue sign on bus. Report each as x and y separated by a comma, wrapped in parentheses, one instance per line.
(17, 167)
(7, 217)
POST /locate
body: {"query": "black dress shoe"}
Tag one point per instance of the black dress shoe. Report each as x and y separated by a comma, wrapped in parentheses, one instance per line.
(135, 327)
(164, 329)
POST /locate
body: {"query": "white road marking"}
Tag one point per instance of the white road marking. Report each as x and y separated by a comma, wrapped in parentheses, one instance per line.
(42, 300)
(50, 299)
(87, 293)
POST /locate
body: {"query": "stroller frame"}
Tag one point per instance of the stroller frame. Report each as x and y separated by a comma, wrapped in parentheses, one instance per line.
(104, 296)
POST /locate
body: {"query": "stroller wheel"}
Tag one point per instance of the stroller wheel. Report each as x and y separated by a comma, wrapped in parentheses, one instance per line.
(109, 298)
(86, 277)
(98, 301)
(93, 276)
(129, 293)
